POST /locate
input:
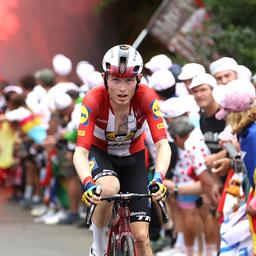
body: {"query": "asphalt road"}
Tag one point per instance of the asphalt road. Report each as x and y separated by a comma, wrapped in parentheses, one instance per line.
(20, 236)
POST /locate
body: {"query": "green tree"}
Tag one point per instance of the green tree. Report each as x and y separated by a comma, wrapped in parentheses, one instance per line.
(237, 34)
(230, 31)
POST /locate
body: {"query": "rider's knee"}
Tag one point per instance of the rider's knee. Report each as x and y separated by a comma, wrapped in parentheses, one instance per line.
(110, 185)
(141, 236)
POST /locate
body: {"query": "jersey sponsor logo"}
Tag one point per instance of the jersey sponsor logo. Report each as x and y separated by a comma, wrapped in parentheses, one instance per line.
(130, 135)
(85, 113)
(80, 133)
(154, 105)
(93, 164)
(160, 126)
(111, 136)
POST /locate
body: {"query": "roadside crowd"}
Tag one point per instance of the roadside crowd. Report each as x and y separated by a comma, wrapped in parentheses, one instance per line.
(210, 115)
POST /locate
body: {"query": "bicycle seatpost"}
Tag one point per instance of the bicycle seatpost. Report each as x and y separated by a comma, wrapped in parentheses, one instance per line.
(165, 217)
(91, 209)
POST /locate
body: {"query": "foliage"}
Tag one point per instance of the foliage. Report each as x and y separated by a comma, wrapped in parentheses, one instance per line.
(231, 30)
(237, 35)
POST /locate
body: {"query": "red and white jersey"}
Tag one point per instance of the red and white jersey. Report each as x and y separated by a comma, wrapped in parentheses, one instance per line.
(97, 123)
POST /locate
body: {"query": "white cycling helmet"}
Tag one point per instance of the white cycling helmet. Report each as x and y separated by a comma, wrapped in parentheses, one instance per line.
(122, 61)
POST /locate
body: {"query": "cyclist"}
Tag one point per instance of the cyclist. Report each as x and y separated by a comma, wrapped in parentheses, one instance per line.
(110, 144)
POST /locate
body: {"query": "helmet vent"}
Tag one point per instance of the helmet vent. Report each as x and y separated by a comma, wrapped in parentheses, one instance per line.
(108, 65)
(122, 65)
(136, 69)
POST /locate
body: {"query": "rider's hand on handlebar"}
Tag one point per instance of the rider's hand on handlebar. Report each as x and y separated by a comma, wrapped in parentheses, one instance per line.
(156, 187)
(91, 193)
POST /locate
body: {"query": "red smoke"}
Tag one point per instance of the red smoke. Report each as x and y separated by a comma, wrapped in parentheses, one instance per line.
(33, 31)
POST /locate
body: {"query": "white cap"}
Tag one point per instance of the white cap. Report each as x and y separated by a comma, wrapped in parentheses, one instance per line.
(158, 62)
(62, 101)
(83, 69)
(12, 88)
(161, 80)
(223, 64)
(244, 72)
(173, 107)
(203, 79)
(61, 65)
(95, 78)
(191, 70)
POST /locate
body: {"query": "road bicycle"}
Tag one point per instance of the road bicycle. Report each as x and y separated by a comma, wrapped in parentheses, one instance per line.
(121, 241)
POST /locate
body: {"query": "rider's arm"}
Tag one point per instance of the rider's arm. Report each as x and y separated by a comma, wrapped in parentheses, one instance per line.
(81, 162)
(163, 156)
(85, 137)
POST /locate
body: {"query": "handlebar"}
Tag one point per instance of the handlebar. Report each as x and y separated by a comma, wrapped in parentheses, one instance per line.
(126, 197)
(165, 217)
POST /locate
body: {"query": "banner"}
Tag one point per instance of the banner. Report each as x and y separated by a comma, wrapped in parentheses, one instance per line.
(177, 28)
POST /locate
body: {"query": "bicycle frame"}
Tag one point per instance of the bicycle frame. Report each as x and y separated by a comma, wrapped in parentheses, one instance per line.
(120, 226)
(120, 229)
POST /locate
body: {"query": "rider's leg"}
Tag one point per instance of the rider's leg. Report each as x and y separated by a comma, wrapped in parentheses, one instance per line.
(110, 185)
(140, 233)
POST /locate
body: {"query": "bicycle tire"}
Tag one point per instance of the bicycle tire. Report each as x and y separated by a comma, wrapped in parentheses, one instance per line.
(127, 246)
(112, 246)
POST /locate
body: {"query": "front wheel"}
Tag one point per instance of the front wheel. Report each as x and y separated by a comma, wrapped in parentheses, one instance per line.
(127, 246)
(112, 250)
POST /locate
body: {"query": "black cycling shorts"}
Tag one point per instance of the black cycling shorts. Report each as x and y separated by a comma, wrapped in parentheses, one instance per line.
(132, 175)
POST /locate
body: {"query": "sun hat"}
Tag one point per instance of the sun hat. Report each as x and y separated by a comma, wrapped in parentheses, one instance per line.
(62, 101)
(223, 64)
(61, 65)
(244, 72)
(235, 96)
(190, 70)
(161, 80)
(83, 69)
(203, 78)
(158, 62)
(173, 107)
(12, 88)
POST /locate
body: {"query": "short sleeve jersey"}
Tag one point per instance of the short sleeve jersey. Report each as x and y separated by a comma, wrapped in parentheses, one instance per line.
(191, 162)
(97, 122)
